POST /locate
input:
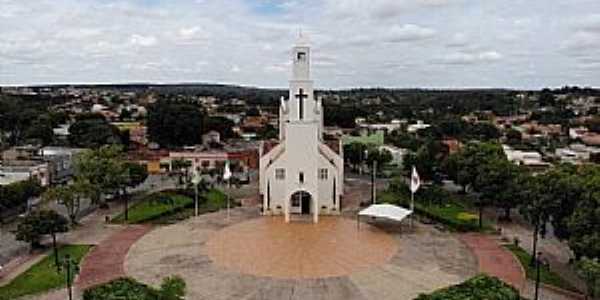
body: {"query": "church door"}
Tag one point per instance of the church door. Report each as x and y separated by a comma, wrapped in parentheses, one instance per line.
(305, 203)
(300, 203)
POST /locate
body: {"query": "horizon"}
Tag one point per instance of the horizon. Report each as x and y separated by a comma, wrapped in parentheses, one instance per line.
(439, 44)
(284, 88)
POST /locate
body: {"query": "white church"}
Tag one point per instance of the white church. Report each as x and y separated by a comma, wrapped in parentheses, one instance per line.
(302, 174)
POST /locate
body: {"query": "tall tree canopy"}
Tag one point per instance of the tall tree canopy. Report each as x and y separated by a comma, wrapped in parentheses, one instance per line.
(93, 131)
(102, 170)
(172, 124)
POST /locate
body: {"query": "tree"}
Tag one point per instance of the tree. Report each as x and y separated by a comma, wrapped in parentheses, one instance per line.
(222, 125)
(584, 223)
(69, 196)
(547, 98)
(93, 131)
(513, 136)
(175, 124)
(40, 130)
(39, 223)
(101, 170)
(498, 182)
(589, 270)
(427, 159)
(354, 154)
(382, 157)
(536, 208)
(464, 165)
(16, 194)
(566, 183)
(134, 174)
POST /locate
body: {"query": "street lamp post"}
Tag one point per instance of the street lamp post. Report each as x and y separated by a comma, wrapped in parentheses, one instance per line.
(539, 262)
(127, 176)
(373, 187)
(71, 269)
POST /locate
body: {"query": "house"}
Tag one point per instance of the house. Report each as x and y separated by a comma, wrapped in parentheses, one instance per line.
(25, 170)
(525, 158)
(61, 161)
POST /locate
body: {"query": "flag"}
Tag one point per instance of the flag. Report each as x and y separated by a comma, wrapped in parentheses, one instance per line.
(227, 172)
(415, 181)
(196, 179)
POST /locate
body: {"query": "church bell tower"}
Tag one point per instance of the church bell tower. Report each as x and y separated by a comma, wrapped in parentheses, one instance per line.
(302, 104)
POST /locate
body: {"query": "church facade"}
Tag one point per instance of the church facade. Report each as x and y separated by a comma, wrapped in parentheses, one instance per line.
(302, 174)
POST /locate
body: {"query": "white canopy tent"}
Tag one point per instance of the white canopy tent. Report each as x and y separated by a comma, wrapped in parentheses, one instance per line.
(387, 211)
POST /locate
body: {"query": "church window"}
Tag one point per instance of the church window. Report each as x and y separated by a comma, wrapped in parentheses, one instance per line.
(301, 177)
(280, 174)
(323, 174)
(301, 56)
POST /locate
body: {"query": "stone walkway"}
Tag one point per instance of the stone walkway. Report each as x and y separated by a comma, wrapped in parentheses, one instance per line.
(426, 260)
(105, 261)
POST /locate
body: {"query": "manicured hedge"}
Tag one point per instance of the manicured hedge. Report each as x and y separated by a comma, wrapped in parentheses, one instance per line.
(125, 288)
(481, 287)
(121, 289)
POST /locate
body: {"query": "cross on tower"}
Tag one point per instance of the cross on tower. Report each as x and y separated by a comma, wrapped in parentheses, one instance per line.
(301, 96)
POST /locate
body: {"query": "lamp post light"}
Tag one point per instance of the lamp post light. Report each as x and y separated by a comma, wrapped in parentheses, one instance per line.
(71, 269)
(373, 172)
(539, 262)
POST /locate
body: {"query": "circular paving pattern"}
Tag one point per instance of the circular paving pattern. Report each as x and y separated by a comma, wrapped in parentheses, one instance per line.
(269, 247)
(246, 258)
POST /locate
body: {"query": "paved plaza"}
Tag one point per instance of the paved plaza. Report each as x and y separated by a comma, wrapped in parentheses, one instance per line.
(253, 257)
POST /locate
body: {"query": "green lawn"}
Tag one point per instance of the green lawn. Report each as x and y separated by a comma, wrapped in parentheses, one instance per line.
(212, 201)
(42, 276)
(451, 213)
(546, 276)
(151, 209)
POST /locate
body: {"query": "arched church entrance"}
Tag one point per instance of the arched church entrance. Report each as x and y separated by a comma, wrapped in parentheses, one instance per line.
(301, 203)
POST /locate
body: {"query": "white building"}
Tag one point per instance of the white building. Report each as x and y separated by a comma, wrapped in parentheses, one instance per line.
(524, 158)
(412, 128)
(301, 174)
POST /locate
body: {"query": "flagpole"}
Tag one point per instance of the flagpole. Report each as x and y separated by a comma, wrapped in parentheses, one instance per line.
(412, 207)
(228, 200)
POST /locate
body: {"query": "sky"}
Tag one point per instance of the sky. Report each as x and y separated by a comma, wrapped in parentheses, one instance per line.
(521, 44)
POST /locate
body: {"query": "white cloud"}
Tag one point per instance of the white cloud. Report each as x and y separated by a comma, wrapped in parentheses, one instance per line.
(409, 32)
(356, 42)
(141, 40)
(461, 58)
(458, 40)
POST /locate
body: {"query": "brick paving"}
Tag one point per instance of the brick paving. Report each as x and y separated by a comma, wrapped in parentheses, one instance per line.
(105, 261)
(495, 260)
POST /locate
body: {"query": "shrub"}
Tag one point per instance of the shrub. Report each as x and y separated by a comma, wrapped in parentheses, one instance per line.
(478, 287)
(172, 288)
